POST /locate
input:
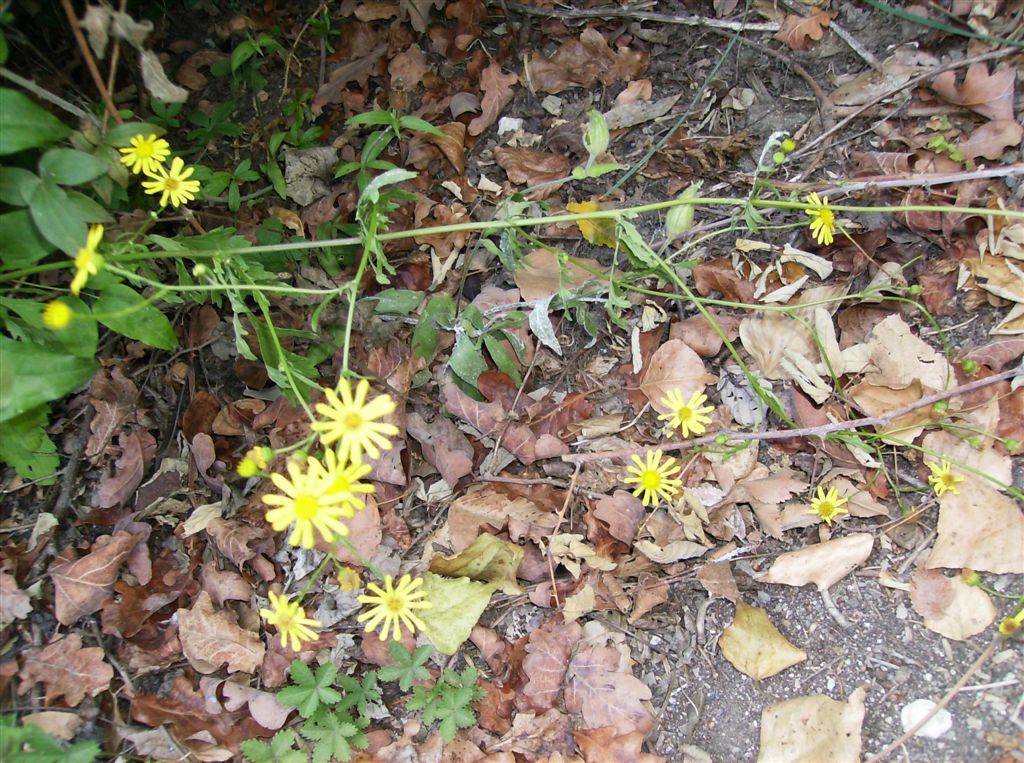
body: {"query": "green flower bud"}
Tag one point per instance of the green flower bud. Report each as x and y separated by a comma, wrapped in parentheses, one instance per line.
(596, 136)
(941, 407)
(970, 577)
(788, 145)
(1011, 444)
(974, 442)
(778, 157)
(680, 218)
(199, 270)
(969, 367)
(914, 290)
(722, 439)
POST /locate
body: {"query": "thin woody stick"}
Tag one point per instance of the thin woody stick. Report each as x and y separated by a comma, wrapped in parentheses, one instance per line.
(90, 62)
(782, 434)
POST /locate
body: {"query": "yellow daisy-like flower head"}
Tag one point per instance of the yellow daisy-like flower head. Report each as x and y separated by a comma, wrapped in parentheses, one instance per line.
(345, 485)
(654, 478)
(352, 421)
(308, 503)
(87, 261)
(823, 220)
(827, 505)
(1011, 625)
(290, 620)
(57, 315)
(394, 606)
(942, 478)
(173, 183)
(146, 154)
(687, 416)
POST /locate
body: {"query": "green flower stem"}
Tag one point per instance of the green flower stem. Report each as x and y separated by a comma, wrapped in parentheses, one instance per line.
(316, 573)
(362, 560)
(352, 289)
(282, 361)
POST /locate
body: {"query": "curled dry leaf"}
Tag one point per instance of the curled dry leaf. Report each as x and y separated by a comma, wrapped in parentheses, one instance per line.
(718, 580)
(605, 696)
(80, 586)
(623, 512)
(990, 95)
(606, 745)
(652, 592)
(798, 32)
(992, 139)
(547, 657)
(674, 366)
(66, 669)
(949, 606)
(114, 398)
(581, 63)
(539, 736)
(210, 638)
(488, 559)
(823, 563)
(755, 646)
(498, 93)
(444, 445)
(497, 508)
(523, 165)
(137, 449)
(814, 728)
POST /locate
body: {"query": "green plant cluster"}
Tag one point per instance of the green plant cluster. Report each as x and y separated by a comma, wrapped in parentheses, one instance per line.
(28, 743)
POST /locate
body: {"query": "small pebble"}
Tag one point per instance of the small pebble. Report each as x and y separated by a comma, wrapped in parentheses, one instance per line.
(936, 726)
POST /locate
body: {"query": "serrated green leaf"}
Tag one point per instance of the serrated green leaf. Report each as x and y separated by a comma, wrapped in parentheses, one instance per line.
(335, 734)
(309, 690)
(280, 750)
(127, 312)
(408, 666)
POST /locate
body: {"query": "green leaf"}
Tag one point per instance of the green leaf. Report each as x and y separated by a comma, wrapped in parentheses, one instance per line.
(397, 301)
(79, 338)
(127, 312)
(309, 690)
(241, 54)
(467, 361)
(597, 170)
(425, 335)
(20, 240)
(31, 375)
(280, 750)
(23, 124)
(456, 606)
(87, 209)
(502, 357)
(273, 172)
(57, 218)
(16, 183)
(637, 246)
(378, 117)
(420, 125)
(121, 135)
(408, 665)
(540, 325)
(335, 734)
(66, 166)
(26, 446)
(359, 695)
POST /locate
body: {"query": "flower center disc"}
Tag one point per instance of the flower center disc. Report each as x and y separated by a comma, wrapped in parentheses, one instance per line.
(306, 506)
(395, 604)
(171, 184)
(651, 480)
(354, 421)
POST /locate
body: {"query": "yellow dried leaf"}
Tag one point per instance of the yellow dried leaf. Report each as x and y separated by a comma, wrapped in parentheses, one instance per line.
(755, 646)
(597, 232)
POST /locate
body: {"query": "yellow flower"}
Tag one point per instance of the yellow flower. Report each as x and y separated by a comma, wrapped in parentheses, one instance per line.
(146, 154)
(290, 620)
(308, 503)
(1011, 625)
(348, 579)
(87, 262)
(823, 221)
(174, 184)
(56, 315)
(827, 506)
(254, 461)
(688, 416)
(654, 479)
(345, 481)
(352, 420)
(943, 479)
(394, 605)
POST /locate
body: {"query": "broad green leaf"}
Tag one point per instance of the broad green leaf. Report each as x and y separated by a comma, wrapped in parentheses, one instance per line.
(421, 125)
(127, 312)
(16, 183)
(66, 166)
(57, 218)
(273, 172)
(502, 357)
(425, 335)
(31, 375)
(78, 338)
(467, 361)
(24, 124)
(456, 606)
(392, 177)
(20, 241)
(121, 135)
(397, 301)
(87, 209)
(26, 446)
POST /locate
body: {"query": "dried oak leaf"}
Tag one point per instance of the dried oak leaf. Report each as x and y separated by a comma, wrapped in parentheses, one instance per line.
(538, 736)
(113, 397)
(137, 449)
(238, 541)
(66, 669)
(719, 275)
(990, 95)
(547, 657)
(542, 275)
(14, 603)
(498, 93)
(623, 512)
(581, 63)
(490, 505)
(81, 585)
(452, 145)
(992, 139)
(597, 689)
(674, 366)
(606, 745)
(210, 638)
(798, 32)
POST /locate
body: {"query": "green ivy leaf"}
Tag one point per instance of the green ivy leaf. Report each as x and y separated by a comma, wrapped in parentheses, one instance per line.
(309, 690)
(408, 665)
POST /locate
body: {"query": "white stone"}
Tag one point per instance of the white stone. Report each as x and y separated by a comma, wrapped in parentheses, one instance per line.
(936, 726)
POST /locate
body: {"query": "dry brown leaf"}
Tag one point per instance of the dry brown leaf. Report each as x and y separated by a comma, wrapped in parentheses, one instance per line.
(14, 603)
(997, 355)
(581, 63)
(605, 745)
(674, 366)
(523, 165)
(238, 541)
(80, 586)
(798, 32)
(990, 95)
(137, 449)
(493, 648)
(814, 729)
(541, 275)
(755, 647)
(980, 529)
(547, 657)
(444, 445)
(597, 689)
(898, 358)
(998, 275)
(823, 563)
(701, 337)
(719, 275)
(486, 505)
(534, 736)
(357, 70)
(55, 723)
(264, 706)
(66, 669)
(114, 398)
(949, 606)
(487, 559)
(224, 585)
(718, 580)
(498, 93)
(992, 139)
(623, 512)
(210, 638)
(652, 592)
(452, 145)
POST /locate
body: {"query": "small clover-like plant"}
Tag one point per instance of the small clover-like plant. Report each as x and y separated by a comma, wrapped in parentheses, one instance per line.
(281, 749)
(449, 701)
(335, 733)
(408, 665)
(359, 694)
(310, 690)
